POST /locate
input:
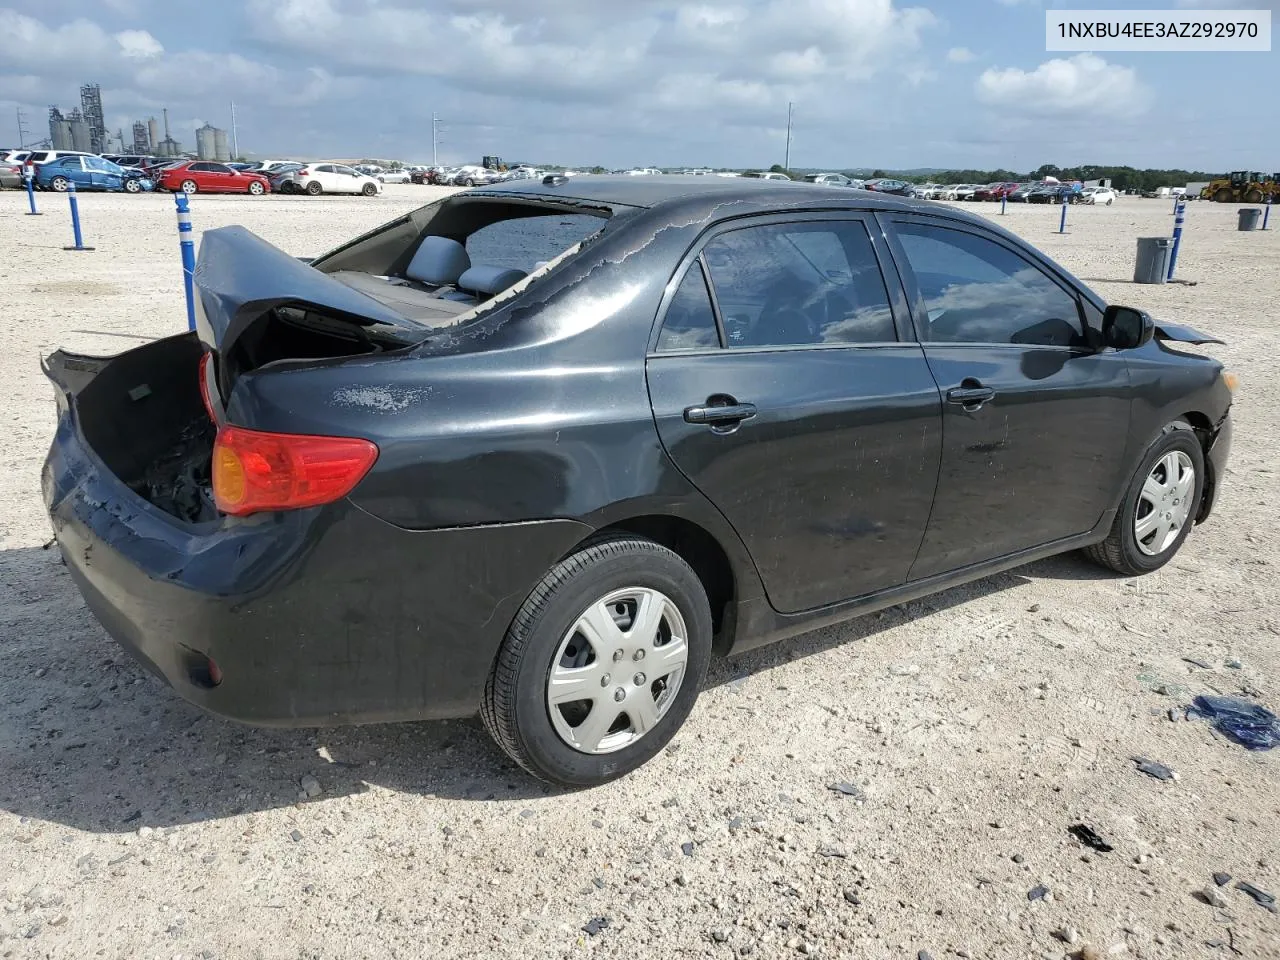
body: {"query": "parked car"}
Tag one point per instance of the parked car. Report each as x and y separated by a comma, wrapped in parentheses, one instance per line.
(995, 191)
(473, 176)
(887, 185)
(1098, 195)
(311, 516)
(1045, 193)
(828, 179)
(10, 174)
(961, 191)
(318, 178)
(205, 176)
(88, 172)
(928, 191)
(1019, 194)
(393, 176)
(284, 179)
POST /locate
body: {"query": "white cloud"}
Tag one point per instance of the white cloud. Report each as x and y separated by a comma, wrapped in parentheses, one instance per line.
(961, 55)
(138, 44)
(1082, 83)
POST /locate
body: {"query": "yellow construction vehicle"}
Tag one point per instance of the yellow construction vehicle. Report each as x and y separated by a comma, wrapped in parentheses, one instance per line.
(1243, 186)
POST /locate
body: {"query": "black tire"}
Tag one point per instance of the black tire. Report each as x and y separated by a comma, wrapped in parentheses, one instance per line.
(1253, 196)
(131, 185)
(468, 182)
(369, 190)
(59, 184)
(190, 186)
(1223, 195)
(314, 189)
(1120, 552)
(514, 708)
(256, 188)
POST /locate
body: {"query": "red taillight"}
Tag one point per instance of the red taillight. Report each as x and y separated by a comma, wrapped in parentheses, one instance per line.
(255, 471)
(302, 173)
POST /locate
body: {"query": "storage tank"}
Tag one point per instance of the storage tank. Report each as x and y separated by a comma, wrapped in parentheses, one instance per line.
(206, 149)
(153, 132)
(220, 150)
(60, 134)
(80, 139)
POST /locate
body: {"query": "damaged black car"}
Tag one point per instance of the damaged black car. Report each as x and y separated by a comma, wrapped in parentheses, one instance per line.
(539, 450)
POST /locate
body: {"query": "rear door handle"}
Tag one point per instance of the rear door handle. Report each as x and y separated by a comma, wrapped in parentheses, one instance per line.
(720, 415)
(970, 397)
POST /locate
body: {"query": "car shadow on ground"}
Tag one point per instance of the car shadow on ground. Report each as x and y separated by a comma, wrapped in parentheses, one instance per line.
(91, 740)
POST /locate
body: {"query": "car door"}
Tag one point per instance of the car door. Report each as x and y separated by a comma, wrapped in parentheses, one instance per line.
(348, 179)
(328, 177)
(784, 386)
(102, 174)
(1035, 413)
(221, 178)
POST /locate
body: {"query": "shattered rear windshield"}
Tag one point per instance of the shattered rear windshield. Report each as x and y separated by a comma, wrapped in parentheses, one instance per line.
(525, 243)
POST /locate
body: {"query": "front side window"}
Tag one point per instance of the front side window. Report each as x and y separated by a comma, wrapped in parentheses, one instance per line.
(789, 284)
(690, 323)
(978, 291)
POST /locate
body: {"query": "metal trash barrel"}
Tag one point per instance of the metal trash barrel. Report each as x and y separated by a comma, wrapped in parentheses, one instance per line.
(1249, 217)
(1152, 265)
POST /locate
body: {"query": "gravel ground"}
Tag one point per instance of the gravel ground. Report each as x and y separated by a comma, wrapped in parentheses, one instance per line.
(971, 728)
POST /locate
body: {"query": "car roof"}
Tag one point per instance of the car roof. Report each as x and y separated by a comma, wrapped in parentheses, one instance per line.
(652, 191)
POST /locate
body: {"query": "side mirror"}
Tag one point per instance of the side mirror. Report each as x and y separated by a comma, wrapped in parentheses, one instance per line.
(1126, 328)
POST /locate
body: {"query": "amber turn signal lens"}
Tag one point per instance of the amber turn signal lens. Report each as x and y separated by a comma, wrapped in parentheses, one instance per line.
(1231, 380)
(228, 477)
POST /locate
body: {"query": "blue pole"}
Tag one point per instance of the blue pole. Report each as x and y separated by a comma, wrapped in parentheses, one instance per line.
(1062, 224)
(188, 245)
(31, 192)
(1266, 213)
(1178, 218)
(75, 218)
(1003, 199)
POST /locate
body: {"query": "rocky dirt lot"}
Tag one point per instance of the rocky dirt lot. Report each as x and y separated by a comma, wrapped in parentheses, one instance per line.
(969, 730)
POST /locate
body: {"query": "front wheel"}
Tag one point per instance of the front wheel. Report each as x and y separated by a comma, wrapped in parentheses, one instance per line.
(1159, 507)
(256, 188)
(602, 663)
(189, 186)
(369, 190)
(132, 186)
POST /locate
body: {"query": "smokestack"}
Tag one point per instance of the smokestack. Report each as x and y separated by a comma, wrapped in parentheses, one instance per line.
(166, 123)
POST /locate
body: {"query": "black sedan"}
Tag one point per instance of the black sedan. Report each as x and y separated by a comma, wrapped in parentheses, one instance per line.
(539, 450)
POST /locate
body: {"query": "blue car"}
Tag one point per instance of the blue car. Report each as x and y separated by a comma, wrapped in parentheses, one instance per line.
(90, 173)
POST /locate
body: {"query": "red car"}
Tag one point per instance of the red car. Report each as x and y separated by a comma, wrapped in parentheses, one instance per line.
(994, 191)
(204, 176)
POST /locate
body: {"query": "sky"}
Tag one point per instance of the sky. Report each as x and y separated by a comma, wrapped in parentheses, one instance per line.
(875, 83)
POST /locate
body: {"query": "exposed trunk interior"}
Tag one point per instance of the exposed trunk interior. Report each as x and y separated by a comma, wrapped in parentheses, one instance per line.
(144, 418)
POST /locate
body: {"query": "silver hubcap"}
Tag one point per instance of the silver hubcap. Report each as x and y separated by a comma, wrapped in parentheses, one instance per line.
(1165, 503)
(618, 670)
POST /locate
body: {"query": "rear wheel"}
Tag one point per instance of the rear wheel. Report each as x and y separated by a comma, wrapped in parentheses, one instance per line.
(314, 188)
(59, 184)
(602, 664)
(189, 186)
(256, 188)
(1253, 196)
(1159, 508)
(369, 190)
(468, 182)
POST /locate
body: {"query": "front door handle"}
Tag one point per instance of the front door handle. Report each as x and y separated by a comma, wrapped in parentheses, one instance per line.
(720, 415)
(971, 396)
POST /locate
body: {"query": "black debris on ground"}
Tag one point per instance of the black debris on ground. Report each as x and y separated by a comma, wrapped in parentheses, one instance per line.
(1090, 838)
(593, 926)
(1153, 769)
(1265, 900)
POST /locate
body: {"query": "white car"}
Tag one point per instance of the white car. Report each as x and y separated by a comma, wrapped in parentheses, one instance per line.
(318, 178)
(394, 176)
(961, 191)
(1103, 195)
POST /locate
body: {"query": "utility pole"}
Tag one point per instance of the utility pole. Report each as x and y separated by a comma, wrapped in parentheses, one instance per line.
(786, 163)
(235, 142)
(22, 130)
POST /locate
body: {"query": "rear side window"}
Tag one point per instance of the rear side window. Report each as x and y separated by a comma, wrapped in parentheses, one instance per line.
(690, 323)
(525, 243)
(790, 284)
(978, 291)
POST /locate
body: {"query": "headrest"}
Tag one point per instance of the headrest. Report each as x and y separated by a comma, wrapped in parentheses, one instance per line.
(489, 280)
(438, 261)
